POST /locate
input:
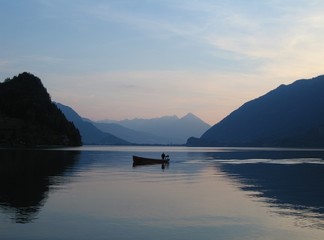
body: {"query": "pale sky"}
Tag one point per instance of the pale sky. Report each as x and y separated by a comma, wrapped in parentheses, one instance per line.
(118, 59)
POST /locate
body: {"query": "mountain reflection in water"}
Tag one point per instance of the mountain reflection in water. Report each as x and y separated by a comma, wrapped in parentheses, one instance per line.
(26, 177)
(290, 181)
(94, 192)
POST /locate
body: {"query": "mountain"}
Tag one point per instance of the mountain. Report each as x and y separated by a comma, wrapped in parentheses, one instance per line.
(90, 134)
(29, 118)
(163, 130)
(130, 135)
(289, 116)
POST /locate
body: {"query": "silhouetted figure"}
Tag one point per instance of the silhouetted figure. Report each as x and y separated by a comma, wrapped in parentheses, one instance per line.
(163, 156)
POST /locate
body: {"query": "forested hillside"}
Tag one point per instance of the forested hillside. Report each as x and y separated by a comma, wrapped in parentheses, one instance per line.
(29, 118)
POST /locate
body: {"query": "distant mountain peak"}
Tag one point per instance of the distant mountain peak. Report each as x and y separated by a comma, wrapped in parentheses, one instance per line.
(190, 116)
(165, 117)
(170, 129)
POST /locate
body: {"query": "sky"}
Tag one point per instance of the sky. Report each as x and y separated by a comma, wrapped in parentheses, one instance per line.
(125, 59)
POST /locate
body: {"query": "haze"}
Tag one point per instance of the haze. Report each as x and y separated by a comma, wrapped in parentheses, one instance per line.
(128, 59)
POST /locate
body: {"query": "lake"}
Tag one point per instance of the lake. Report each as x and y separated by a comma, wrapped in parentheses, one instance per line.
(95, 192)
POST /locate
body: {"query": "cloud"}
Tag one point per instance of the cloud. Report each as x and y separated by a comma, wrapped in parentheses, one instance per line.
(266, 32)
(138, 18)
(286, 44)
(161, 57)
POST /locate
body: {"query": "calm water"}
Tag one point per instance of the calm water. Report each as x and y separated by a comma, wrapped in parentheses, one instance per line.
(205, 193)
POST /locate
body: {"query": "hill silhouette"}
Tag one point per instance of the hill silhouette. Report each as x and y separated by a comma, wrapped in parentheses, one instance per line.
(289, 116)
(90, 134)
(29, 118)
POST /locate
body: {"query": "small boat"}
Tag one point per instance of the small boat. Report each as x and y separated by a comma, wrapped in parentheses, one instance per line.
(141, 160)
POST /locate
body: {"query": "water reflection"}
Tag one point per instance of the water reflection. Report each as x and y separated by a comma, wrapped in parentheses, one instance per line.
(292, 182)
(196, 198)
(162, 165)
(27, 177)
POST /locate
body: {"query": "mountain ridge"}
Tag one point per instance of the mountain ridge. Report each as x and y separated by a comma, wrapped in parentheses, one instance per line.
(164, 130)
(90, 134)
(288, 116)
(133, 136)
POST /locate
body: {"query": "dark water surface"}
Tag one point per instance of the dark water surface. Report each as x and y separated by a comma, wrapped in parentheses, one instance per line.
(94, 192)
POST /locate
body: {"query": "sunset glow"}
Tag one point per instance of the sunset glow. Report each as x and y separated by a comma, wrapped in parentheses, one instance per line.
(145, 59)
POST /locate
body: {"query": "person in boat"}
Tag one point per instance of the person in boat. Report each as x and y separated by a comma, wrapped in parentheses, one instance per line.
(163, 156)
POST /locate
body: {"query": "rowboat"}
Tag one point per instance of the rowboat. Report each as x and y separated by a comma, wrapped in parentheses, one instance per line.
(142, 160)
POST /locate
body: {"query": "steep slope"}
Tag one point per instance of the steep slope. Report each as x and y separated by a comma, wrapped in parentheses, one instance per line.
(29, 118)
(291, 115)
(90, 134)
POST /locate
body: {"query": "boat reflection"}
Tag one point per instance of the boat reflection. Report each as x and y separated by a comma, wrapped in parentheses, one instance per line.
(163, 165)
(144, 161)
(27, 177)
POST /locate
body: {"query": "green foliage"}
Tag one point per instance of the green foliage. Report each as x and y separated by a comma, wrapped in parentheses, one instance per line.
(28, 116)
